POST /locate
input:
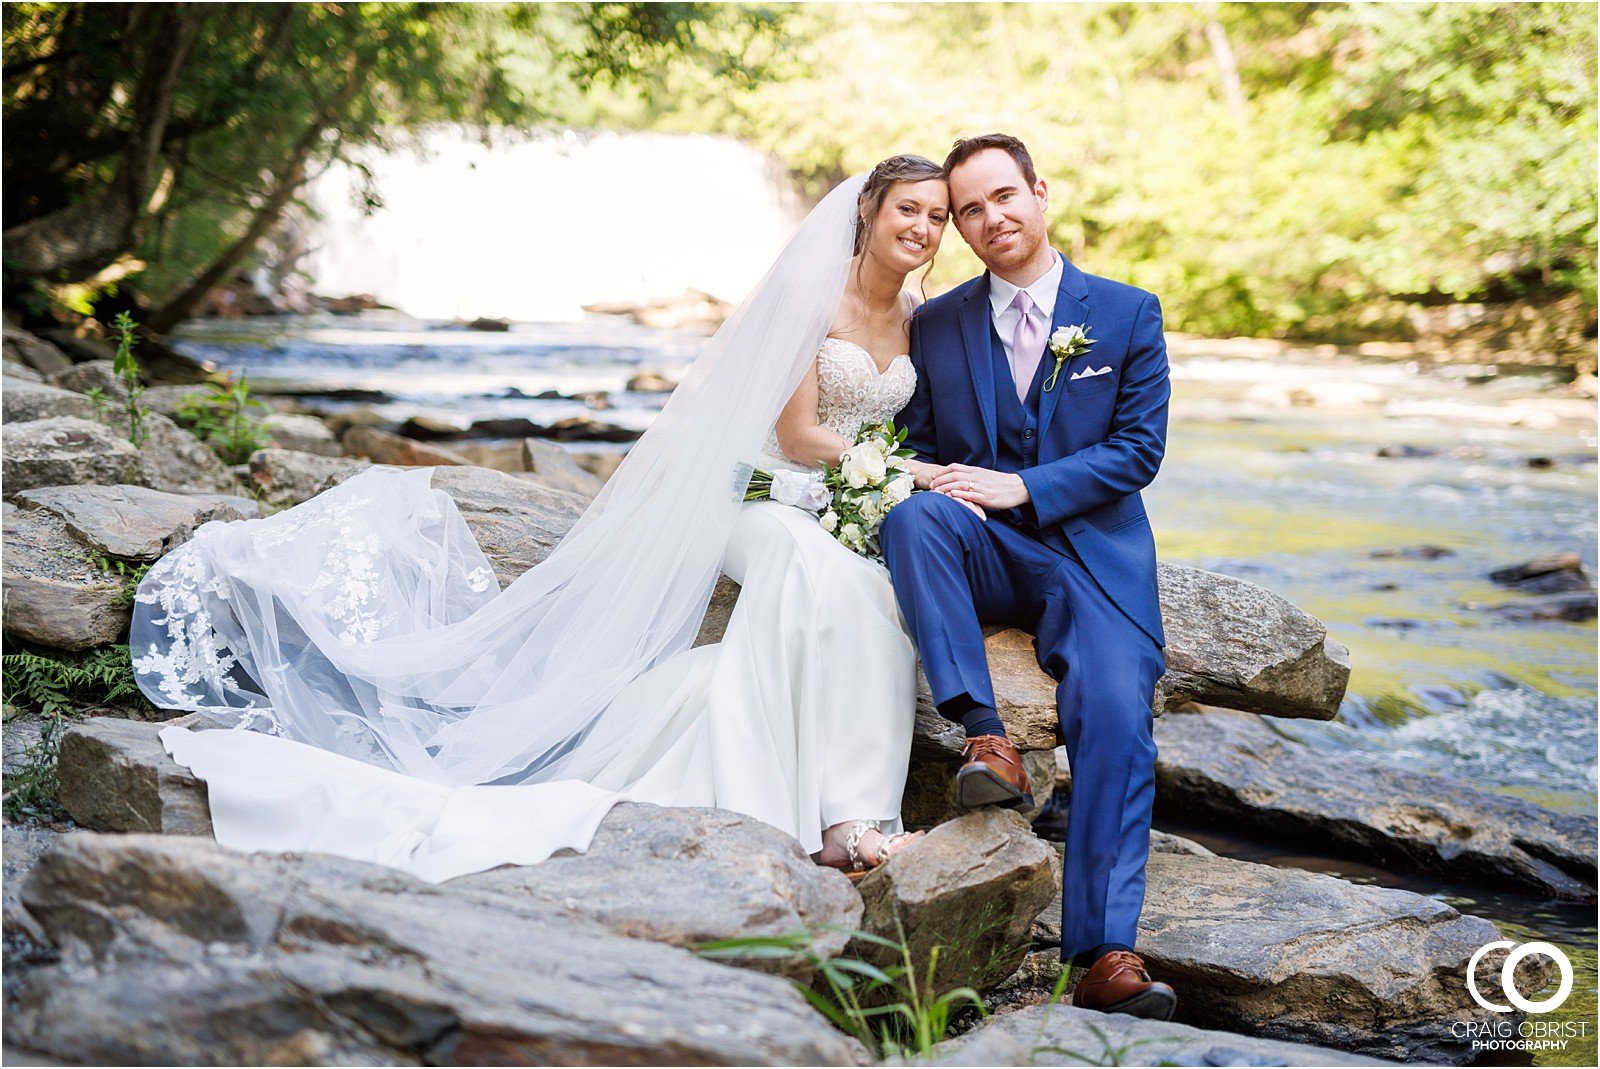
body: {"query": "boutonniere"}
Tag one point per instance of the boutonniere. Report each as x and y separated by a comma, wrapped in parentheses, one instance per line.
(1066, 343)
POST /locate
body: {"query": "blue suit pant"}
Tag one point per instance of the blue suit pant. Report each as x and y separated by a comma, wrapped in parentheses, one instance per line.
(953, 573)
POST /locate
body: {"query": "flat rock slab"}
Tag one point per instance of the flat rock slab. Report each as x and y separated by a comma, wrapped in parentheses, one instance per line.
(175, 951)
(55, 594)
(1238, 771)
(971, 887)
(134, 523)
(22, 401)
(62, 451)
(692, 876)
(1065, 1035)
(1310, 958)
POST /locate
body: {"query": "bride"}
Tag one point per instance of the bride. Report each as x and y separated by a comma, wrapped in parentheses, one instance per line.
(398, 708)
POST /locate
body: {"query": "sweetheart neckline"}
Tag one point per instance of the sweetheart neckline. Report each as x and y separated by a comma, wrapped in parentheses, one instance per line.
(862, 349)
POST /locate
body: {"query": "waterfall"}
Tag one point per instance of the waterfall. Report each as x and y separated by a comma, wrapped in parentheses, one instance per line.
(534, 228)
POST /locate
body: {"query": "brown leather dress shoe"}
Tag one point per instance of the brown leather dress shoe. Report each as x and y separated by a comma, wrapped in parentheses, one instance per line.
(992, 775)
(1118, 983)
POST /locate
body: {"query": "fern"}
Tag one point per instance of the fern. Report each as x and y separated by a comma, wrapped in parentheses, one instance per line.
(56, 683)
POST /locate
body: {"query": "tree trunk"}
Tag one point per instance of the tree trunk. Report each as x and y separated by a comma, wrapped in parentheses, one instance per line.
(178, 307)
(1222, 54)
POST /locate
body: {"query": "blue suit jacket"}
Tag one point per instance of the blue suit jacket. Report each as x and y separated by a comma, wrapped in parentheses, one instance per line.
(1101, 437)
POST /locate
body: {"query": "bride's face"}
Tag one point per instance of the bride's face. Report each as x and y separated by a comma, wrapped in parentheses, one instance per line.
(910, 224)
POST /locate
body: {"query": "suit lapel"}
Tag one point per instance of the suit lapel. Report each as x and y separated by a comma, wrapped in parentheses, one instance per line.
(976, 327)
(1071, 310)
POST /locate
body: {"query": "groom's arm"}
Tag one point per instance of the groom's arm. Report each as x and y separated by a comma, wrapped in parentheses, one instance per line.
(917, 416)
(1127, 460)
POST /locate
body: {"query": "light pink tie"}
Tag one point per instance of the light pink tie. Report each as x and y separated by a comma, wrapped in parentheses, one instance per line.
(1027, 345)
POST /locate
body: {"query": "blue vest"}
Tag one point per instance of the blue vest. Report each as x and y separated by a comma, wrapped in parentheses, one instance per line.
(1016, 424)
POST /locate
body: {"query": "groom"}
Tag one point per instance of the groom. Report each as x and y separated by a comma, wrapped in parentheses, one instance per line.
(1054, 449)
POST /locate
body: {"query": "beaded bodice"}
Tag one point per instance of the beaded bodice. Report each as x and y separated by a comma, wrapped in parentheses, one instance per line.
(850, 392)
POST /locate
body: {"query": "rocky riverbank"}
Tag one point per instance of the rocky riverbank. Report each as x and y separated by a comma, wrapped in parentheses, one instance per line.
(130, 937)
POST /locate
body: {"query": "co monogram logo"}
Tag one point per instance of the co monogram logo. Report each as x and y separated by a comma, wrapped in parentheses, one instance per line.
(1508, 970)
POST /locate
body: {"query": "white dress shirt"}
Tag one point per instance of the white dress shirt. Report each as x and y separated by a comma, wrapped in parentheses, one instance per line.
(1042, 293)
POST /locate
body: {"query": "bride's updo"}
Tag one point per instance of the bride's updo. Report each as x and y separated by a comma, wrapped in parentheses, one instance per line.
(882, 179)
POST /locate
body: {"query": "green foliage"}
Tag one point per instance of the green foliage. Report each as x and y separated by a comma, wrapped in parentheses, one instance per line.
(221, 419)
(126, 369)
(1373, 155)
(269, 94)
(57, 682)
(893, 1011)
(30, 787)
(97, 397)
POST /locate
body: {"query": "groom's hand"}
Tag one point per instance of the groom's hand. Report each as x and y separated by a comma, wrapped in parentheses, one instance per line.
(980, 486)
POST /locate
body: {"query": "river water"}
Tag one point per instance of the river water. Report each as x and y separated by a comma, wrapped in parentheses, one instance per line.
(1492, 470)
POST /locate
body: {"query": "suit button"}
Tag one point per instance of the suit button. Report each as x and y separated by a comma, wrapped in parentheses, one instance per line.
(1028, 433)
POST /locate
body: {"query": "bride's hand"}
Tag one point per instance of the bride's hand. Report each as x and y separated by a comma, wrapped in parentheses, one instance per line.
(923, 474)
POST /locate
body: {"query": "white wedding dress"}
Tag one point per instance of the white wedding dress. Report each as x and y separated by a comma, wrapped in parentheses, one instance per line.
(801, 716)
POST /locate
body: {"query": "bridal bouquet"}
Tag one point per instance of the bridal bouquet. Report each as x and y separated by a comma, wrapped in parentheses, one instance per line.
(852, 499)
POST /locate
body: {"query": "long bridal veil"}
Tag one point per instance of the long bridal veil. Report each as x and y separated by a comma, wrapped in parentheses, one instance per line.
(366, 621)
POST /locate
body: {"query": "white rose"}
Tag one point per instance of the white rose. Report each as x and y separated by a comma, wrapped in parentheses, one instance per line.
(830, 521)
(1066, 337)
(862, 465)
(895, 463)
(898, 489)
(872, 511)
(851, 535)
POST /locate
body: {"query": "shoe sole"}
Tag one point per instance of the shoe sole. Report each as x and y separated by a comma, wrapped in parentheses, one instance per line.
(979, 787)
(1153, 1005)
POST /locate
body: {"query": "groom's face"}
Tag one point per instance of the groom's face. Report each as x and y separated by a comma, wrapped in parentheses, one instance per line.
(997, 212)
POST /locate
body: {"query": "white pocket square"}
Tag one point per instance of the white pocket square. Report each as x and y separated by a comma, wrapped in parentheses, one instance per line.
(1088, 373)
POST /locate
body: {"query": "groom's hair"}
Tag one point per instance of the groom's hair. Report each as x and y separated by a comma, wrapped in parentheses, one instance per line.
(968, 147)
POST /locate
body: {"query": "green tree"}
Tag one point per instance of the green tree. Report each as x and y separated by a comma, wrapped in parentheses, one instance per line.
(169, 138)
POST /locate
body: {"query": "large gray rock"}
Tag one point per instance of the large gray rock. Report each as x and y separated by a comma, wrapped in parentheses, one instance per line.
(284, 477)
(1306, 957)
(305, 434)
(557, 468)
(22, 401)
(1064, 1035)
(133, 522)
(114, 775)
(91, 375)
(1236, 770)
(692, 876)
(1238, 645)
(711, 875)
(175, 951)
(1229, 642)
(173, 459)
(971, 887)
(516, 522)
(55, 595)
(64, 450)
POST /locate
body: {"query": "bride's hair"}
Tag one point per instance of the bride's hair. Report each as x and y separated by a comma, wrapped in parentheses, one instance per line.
(876, 190)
